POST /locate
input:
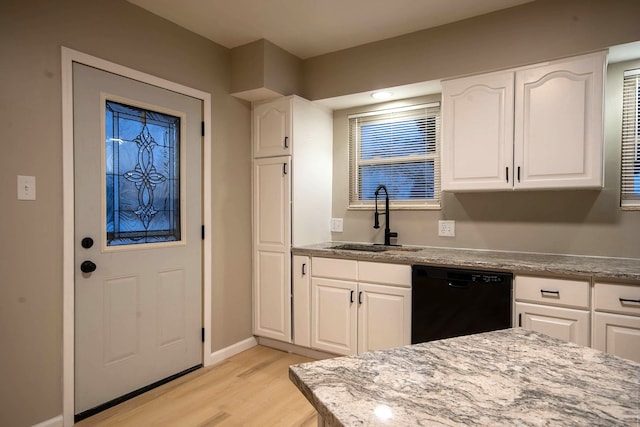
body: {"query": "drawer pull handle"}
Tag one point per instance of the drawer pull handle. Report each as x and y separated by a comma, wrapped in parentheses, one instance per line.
(548, 292)
(629, 301)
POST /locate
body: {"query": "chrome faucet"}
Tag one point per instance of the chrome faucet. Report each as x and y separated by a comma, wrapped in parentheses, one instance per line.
(388, 234)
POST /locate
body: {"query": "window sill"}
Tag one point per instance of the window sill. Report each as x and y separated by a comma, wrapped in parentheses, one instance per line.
(395, 207)
(630, 208)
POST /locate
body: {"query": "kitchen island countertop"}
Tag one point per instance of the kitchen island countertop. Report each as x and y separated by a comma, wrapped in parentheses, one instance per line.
(509, 377)
(607, 268)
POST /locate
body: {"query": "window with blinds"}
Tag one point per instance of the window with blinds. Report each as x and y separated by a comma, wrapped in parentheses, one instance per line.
(399, 148)
(630, 180)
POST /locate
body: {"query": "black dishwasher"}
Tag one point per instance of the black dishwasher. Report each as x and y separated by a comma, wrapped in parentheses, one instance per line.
(447, 302)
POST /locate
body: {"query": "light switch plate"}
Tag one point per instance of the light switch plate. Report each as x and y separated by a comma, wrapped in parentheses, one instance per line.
(447, 228)
(26, 187)
(336, 225)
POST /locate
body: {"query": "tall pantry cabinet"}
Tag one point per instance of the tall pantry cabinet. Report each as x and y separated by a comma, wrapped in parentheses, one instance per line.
(291, 201)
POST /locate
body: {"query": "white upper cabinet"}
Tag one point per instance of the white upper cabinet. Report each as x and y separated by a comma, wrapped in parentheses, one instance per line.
(537, 127)
(272, 128)
(558, 131)
(477, 122)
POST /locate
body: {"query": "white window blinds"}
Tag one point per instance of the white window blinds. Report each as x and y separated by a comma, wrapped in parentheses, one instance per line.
(630, 180)
(399, 148)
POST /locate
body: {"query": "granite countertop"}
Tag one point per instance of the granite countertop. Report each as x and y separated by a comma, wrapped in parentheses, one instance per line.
(509, 377)
(597, 267)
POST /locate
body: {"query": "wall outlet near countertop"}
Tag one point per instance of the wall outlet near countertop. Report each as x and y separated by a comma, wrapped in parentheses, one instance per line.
(447, 228)
(336, 225)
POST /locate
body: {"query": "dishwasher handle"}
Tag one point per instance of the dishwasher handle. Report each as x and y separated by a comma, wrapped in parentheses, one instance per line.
(459, 284)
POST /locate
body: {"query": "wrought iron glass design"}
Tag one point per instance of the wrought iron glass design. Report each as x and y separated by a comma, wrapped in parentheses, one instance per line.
(142, 174)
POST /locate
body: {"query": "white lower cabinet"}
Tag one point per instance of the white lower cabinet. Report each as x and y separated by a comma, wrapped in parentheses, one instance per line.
(557, 307)
(616, 320)
(334, 316)
(384, 317)
(617, 334)
(350, 317)
(563, 323)
(301, 279)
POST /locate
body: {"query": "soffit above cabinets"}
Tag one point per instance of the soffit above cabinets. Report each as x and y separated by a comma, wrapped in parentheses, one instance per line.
(312, 28)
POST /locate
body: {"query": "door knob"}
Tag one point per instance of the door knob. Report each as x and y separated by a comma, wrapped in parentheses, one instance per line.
(87, 267)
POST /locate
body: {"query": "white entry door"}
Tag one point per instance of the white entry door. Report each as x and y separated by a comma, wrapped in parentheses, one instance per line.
(138, 216)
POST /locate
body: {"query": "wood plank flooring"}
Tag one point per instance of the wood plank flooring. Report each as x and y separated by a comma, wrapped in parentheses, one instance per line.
(249, 389)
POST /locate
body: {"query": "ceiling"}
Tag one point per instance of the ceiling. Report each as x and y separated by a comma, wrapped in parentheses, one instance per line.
(308, 28)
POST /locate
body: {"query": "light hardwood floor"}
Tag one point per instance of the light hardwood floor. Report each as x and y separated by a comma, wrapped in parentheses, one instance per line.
(249, 389)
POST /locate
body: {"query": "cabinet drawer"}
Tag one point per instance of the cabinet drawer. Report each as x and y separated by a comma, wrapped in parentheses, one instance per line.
(389, 274)
(551, 291)
(617, 298)
(334, 268)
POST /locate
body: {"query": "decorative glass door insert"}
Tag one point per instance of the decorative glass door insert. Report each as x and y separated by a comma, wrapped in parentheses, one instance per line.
(142, 170)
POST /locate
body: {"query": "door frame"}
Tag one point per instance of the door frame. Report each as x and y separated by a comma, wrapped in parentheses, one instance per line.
(69, 56)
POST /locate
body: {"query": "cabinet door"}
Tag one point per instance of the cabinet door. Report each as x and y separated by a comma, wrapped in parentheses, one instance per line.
(562, 323)
(272, 128)
(333, 316)
(617, 334)
(384, 317)
(558, 124)
(477, 121)
(272, 248)
(301, 276)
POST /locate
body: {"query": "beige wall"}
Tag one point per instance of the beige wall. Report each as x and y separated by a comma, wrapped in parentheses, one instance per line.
(31, 34)
(533, 32)
(568, 222)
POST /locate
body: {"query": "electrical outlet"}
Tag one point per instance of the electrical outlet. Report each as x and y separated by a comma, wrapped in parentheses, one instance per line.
(447, 228)
(336, 225)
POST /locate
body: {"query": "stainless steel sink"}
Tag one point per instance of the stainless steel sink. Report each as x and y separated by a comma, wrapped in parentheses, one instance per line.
(401, 249)
(363, 247)
(360, 247)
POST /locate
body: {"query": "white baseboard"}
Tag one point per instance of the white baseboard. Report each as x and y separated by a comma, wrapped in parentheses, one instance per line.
(296, 349)
(232, 350)
(53, 422)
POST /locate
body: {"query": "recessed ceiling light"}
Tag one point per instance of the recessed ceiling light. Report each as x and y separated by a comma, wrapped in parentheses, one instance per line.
(383, 94)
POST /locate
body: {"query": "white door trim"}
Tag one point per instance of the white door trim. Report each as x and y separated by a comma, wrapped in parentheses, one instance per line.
(69, 56)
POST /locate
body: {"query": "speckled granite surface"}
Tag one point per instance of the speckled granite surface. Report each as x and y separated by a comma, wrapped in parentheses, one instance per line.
(512, 377)
(598, 267)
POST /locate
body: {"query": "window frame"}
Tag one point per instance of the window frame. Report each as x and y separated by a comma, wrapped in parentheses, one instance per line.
(432, 109)
(630, 140)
